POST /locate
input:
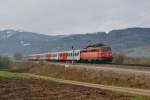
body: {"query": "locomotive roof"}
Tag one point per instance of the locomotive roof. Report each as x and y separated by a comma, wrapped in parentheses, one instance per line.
(95, 45)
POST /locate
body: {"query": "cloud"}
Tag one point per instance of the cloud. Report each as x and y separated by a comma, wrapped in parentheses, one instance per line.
(73, 16)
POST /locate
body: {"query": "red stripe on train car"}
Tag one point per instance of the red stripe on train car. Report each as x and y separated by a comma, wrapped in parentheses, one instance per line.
(63, 56)
(37, 57)
(89, 55)
(48, 57)
(105, 55)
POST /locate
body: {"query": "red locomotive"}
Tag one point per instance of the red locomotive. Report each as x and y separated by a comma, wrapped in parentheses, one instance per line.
(96, 53)
(92, 53)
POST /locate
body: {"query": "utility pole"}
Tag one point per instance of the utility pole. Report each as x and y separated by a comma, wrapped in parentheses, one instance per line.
(73, 54)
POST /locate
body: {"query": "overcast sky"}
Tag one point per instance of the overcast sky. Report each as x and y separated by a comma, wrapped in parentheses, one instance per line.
(73, 16)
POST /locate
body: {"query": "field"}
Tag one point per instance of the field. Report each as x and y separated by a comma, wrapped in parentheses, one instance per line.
(19, 87)
(20, 81)
(84, 73)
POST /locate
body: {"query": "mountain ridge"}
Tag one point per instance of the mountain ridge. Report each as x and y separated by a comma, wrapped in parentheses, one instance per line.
(121, 41)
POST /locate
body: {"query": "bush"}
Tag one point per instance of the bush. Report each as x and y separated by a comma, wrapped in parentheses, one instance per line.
(118, 58)
(5, 62)
(18, 56)
(122, 59)
(140, 61)
(148, 61)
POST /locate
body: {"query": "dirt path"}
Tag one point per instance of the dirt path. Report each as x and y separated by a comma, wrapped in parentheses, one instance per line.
(112, 88)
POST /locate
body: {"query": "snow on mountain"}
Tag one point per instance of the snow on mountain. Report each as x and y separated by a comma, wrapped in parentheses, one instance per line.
(5, 34)
(24, 44)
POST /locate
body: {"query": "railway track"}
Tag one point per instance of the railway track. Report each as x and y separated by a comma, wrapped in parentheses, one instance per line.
(108, 65)
(125, 66)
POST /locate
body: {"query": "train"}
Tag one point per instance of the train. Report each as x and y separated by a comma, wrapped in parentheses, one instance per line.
(92, 53)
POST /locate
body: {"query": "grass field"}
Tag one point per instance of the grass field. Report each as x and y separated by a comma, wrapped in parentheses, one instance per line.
(11, 74)
(18, 86)
(105, 77)
(78, 74)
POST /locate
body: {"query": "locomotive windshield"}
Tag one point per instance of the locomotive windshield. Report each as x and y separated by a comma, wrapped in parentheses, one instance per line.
(105, 49)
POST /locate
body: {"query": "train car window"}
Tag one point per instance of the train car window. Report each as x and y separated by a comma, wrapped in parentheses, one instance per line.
(70, 54)
(55, 55)
(78, 54)
(109, 49)
(106, 49)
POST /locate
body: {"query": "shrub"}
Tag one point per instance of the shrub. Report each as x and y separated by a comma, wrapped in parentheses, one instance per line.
(18, 56)
(122, 59)
(5, 62)
(148, 61)
(118, 58)
(140, 61)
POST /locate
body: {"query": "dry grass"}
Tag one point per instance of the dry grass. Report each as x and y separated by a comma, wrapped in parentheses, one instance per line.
(106, 77)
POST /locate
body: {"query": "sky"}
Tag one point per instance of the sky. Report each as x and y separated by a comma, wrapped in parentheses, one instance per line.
(73, 16)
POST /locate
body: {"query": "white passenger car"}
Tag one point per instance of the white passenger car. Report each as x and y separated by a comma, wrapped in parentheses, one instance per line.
(73, 55)
(54, 56)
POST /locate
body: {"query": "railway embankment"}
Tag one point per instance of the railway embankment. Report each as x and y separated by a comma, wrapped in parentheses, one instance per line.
(92, 74)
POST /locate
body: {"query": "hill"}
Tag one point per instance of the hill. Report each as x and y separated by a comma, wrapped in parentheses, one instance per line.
(131, 41)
